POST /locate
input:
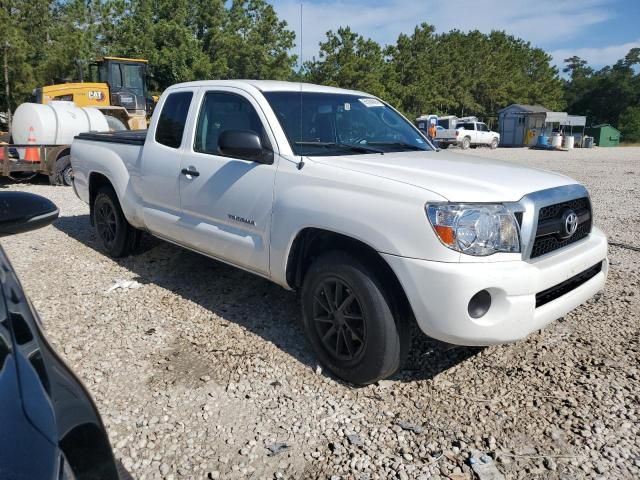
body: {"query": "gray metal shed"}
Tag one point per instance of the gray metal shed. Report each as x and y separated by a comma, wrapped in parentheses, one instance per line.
(519, 125)
(516, 121)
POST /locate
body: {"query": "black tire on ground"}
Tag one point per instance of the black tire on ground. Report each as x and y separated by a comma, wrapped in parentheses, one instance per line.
(115, 234)
(494, 144)
(466, 143)
(62, 172)
(115, 124)
(444, 146)
(349, 320)
(473, 146)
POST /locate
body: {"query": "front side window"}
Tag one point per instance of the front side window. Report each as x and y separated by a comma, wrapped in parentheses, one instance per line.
(225, 111)
(173, 119)
(330, 123)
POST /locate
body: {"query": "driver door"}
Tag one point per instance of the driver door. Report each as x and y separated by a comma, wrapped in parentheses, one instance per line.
(226, 202)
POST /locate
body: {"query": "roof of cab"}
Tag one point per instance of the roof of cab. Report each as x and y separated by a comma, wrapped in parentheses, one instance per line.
(270, 86)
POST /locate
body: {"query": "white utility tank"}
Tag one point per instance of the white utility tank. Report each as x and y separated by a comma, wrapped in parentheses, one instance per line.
(569, 142)
(556, 140)
(55, 123)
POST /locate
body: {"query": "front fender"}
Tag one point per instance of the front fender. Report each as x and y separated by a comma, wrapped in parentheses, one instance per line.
(387, 215)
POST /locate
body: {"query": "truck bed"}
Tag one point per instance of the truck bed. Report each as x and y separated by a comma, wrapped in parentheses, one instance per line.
(129, 137)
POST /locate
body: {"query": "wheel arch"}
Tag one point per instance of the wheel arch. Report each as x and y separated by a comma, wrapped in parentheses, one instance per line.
(63, 152)
(312, 242)
(96, 181)
(55, 154)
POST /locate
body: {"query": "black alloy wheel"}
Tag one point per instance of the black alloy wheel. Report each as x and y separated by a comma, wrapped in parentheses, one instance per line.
(350, 318)
(106, 223)
(339, 319)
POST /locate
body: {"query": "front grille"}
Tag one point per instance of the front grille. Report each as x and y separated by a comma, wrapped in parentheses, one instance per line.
(550, 294)
(548, 238)
(552, 211)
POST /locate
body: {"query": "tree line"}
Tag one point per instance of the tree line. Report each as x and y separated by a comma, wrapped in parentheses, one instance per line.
(463, 73)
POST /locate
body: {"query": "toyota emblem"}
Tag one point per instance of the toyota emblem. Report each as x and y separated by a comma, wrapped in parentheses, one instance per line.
(570, 223)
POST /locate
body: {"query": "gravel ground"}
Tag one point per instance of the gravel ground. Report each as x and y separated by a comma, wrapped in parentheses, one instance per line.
(203, 372)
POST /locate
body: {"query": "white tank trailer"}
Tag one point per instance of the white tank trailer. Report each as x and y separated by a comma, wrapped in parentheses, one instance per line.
(53, 127)
(55, 123)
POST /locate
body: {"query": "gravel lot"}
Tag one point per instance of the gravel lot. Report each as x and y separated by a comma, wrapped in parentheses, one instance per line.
(203, 369)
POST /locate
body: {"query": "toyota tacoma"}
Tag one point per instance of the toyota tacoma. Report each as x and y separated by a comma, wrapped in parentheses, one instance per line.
(335, 194)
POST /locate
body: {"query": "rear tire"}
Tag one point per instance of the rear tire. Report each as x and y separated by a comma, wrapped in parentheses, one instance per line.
(444, 146)
(466, 143)
(116, 235)
(349, 320)
(63, 173)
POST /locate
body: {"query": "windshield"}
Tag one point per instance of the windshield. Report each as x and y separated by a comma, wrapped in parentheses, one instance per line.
(342, 124)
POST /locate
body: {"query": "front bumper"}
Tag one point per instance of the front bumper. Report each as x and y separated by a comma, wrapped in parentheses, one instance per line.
(439, 292)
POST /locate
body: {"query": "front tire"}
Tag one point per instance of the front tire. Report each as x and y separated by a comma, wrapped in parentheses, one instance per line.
(348, 319)
(466, 143)
(494, 144)
(116, 235)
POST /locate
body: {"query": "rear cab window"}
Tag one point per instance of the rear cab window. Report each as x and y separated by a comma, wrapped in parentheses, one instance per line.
(173, 118)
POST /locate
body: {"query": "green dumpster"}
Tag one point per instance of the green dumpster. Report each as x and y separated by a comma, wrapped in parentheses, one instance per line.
(604, 135)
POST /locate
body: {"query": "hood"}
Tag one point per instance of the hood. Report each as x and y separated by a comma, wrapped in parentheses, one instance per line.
(458, 178)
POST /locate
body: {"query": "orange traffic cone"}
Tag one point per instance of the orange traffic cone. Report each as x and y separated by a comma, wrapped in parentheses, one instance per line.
(31, 154)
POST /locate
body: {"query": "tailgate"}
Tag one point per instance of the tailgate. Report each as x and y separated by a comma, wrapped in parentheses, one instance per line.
(446, 135)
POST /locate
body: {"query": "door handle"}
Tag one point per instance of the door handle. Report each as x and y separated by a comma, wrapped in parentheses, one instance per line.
(193, 173)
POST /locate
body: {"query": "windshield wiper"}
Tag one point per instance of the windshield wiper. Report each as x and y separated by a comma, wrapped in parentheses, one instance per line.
(398, 144)
(355, 148)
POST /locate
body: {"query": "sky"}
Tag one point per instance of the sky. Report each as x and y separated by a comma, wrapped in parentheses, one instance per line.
(600, 31)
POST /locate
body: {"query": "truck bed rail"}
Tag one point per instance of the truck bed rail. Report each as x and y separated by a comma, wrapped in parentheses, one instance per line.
(130, 137)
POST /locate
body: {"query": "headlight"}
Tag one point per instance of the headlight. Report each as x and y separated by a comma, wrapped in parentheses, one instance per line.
(475, 229)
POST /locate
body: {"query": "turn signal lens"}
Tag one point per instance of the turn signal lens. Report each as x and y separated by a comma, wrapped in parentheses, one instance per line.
(446, 234)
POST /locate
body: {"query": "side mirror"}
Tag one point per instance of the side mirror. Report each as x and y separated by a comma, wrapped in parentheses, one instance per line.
(244, 144)
(22, 212)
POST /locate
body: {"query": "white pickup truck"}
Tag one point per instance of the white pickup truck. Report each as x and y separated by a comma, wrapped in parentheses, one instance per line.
(333, 193)
(468, 134)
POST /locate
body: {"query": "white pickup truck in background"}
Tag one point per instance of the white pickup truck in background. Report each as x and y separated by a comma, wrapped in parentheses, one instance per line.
(468, 134)
(333, 193)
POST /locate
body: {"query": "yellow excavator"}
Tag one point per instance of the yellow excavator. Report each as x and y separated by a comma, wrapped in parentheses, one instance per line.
(117, 87)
